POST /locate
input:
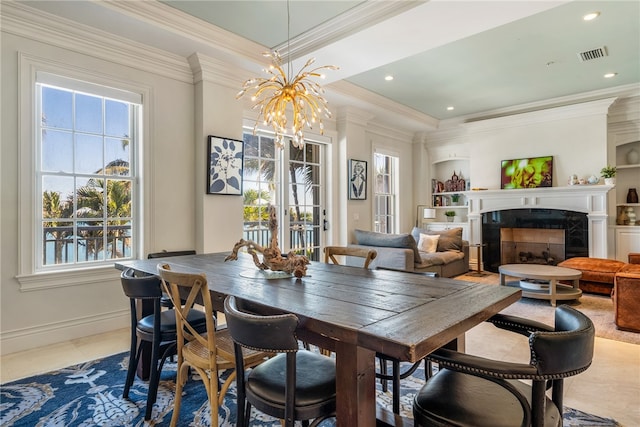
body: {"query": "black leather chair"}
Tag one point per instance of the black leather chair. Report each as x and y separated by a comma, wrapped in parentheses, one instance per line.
(471, 390)
(296, 384)
(157, 329)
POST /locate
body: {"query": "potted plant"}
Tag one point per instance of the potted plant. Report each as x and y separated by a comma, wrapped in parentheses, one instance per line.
(455, 198)
(608, 173)
(450, 215)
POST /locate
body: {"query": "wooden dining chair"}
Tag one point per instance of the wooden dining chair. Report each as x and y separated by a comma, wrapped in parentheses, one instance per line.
(296, 384)
(330, 253)
(206, 353)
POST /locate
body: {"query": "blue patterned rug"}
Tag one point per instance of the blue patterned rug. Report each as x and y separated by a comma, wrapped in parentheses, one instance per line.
(90, 394)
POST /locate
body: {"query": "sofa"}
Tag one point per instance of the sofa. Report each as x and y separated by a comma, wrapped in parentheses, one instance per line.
(444, 253)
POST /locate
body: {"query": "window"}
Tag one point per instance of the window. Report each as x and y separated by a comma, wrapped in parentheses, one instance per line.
(385, 193)
(86, 188)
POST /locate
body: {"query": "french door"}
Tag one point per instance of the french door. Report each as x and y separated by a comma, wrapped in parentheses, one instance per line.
(292, 180)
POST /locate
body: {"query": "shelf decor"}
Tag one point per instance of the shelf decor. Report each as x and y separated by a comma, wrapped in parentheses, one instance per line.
(224, 166)
(357, 179)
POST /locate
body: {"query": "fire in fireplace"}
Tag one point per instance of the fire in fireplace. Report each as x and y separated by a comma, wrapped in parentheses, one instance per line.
(534, 245)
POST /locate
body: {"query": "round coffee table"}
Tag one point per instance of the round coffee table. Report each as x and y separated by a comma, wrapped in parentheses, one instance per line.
(541, 281)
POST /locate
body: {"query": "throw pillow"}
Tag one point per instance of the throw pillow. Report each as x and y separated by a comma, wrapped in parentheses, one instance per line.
(428, 243)
(450, 240)
(372, 238)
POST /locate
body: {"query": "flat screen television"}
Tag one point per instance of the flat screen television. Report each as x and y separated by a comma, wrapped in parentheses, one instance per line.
(526, 173)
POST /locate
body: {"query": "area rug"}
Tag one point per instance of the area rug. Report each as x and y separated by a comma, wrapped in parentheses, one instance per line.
(598, 308)
(90, 394)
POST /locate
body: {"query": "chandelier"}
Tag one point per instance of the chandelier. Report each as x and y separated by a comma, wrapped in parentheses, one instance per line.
(273, 95)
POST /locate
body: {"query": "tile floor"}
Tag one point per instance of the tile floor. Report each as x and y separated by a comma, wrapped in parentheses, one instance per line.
(609, 388)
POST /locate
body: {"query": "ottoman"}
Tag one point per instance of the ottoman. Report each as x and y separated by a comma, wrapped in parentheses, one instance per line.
(626, 298)
(598, 274)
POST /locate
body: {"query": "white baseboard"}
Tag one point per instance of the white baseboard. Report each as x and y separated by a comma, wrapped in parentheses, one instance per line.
(53, 333)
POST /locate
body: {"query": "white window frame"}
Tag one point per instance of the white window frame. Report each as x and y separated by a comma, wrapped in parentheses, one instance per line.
(29, 276)
(395, 178)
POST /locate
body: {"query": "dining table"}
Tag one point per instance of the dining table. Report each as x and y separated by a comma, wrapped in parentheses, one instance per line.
(354, 312)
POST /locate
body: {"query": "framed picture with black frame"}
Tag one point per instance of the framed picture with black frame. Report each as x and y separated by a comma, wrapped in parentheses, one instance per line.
(225, 158)
(357, 179)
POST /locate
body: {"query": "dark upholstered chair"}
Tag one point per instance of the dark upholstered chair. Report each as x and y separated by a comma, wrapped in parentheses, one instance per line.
(471, 390)
(166, 301)
(296, 384)
(158, 329)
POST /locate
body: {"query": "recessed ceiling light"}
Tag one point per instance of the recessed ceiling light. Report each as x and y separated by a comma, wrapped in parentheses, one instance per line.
(591, 16)
(449, 108)
(610, 75)
(388, 78)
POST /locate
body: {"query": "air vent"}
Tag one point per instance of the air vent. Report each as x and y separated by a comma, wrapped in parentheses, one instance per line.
(590, 55)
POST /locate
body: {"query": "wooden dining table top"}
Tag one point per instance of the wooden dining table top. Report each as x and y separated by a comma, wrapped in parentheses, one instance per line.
(353, 311)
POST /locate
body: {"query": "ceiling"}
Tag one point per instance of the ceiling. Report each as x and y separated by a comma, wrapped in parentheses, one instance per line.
(480, 57)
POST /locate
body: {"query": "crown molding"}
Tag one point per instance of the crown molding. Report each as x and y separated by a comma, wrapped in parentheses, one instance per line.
(182, 24)
(21, 20)
(599, 107)
(364, 15)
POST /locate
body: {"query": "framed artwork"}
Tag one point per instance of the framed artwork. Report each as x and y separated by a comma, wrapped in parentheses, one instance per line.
(526, 173)
(357, 179)
(224, 166)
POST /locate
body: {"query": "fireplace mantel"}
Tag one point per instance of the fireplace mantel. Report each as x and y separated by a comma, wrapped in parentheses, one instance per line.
(590, 199)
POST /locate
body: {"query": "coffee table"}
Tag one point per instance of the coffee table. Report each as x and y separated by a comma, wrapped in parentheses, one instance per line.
(541, 281)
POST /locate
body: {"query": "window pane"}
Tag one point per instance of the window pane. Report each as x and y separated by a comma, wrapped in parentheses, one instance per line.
(117, 157)
(57, 151)
(88, 113)
(57, 197)
(89, 156)
(117, 119)
(57, 108)
(58, 243)
(90, 198)
(90, 241)
(118, 239)
(118, 199)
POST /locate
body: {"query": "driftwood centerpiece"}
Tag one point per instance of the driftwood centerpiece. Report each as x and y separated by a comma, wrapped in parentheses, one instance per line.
(272, 258)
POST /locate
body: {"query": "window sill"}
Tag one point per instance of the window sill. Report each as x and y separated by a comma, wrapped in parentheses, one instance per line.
(61, 279)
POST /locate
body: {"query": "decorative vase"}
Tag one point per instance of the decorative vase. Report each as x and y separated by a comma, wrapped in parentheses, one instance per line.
(622, 218)
(632, 196)
(449, 219)
(610, 181)
(631, 215)
(633, 157)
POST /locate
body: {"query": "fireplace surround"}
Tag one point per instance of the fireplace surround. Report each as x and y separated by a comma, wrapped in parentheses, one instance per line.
(589, 200)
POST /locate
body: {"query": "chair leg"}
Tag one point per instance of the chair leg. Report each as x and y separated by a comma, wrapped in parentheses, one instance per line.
(134, 356)
(556, 394)
(181, 379)
(395, 366)
(383, 371)
(154, 378)
(538, 397)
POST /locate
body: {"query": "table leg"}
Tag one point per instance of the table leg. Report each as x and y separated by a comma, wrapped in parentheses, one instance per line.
(552, 291)
(502, 280)
(355, 386)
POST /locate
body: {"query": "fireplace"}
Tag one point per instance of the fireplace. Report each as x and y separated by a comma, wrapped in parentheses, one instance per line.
(536, 236)
(580, 210)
